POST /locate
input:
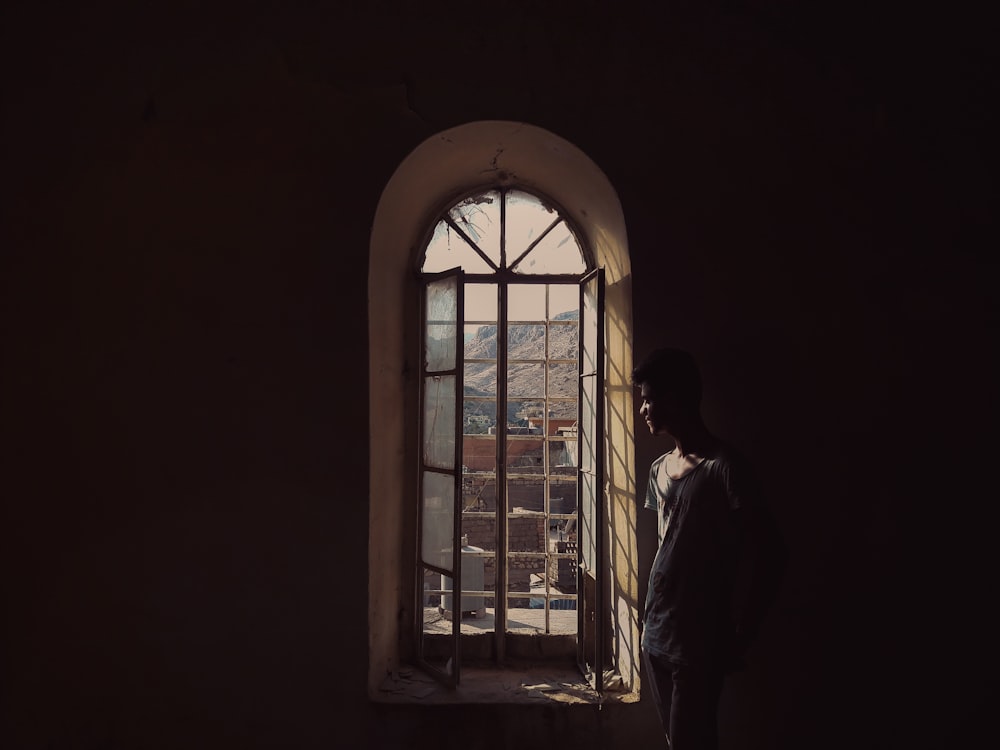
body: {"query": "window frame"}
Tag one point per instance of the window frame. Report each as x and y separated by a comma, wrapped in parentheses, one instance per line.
(503, 277)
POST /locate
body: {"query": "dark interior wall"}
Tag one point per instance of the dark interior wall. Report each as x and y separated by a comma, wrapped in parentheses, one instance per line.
(188, 195)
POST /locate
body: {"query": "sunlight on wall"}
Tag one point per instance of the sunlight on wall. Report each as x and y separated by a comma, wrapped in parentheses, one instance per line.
(620, 454)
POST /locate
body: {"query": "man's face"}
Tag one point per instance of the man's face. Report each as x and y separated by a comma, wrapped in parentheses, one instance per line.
(660, 410)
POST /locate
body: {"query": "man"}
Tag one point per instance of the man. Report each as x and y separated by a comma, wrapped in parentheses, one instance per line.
(718, 562)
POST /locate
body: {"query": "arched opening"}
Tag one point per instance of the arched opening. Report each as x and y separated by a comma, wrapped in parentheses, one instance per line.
(441, 169)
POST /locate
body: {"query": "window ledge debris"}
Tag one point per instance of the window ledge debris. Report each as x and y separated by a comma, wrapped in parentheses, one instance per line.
(535, 684)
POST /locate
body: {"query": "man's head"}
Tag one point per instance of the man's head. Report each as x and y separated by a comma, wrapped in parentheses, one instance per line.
(670, 389)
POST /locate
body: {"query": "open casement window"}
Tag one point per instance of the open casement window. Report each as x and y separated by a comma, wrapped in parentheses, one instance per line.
(510, 522)
(441, 461)
(591, 485)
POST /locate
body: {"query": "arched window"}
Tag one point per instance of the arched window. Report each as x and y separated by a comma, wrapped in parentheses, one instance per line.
(501, 412)
(510, 414)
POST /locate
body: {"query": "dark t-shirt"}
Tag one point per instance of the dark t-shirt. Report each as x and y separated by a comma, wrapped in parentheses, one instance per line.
(702, 517)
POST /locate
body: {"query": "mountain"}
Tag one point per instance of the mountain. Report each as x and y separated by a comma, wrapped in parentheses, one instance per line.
(526, 380)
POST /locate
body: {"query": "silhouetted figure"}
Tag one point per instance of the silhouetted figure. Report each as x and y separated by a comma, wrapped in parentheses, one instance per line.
(719, 559)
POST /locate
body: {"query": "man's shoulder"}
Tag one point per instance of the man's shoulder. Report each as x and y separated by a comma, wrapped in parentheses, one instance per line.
(655, 489)
(661, 458)
(731, 467)
(728, 460)
(657, 463)
(724, 453)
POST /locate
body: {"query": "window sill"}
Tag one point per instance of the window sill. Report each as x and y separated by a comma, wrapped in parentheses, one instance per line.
(528, 685)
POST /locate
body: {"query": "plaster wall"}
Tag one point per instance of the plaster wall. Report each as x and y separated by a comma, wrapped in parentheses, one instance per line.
(188, 196)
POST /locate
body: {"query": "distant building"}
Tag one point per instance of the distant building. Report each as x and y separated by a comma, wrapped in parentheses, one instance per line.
(557, 425)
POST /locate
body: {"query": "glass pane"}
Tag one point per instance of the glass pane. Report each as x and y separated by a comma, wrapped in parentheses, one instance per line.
(587, 539)
(527, 217)
(479, 546)
(480, 379)
(478, 600)
(447, 250)
(524, 417)
(436, 647)
(442, 326)
(526, 456)
(562, 459)
(564, 380)
(562, 495)
(480, 342)
(526, 581)
(481, 302)
(564, 301)
(479, 494)
(588, 420)
(440, 346)
(473, 580)
(432, 598)
(479, 217)
(437, 519)
(479, 534)
(477, 419)
(527, 532)
(589, 323)
(563, 570)
(530, 619)
(558, 252)
(588, 653)
(439, 421)
(562, 618)
(563, 340)
(526, 302)
(525, 341)
(562, 413)
(525, 380)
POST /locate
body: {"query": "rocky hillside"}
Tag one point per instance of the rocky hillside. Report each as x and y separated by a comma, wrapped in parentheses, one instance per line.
(526, 379)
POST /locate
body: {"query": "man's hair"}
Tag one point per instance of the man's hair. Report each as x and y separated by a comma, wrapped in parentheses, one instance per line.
(671, 371)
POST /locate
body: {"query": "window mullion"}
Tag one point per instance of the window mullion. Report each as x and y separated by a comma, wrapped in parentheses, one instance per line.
(546, 487)
(503, 228)
(500, 603)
